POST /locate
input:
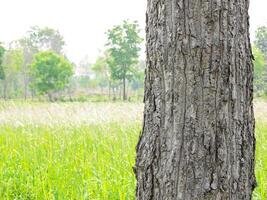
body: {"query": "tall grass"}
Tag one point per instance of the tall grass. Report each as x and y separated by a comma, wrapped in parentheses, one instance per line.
(85, 162)
(261, 160)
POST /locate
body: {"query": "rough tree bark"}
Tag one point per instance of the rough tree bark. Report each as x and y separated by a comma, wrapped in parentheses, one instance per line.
(198, 133)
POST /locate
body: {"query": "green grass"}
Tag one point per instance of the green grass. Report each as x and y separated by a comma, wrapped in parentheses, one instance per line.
(85, 162)
(261, 161)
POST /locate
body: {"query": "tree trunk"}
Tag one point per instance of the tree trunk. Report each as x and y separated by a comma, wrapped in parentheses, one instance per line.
(198, 133)
(25, 92)
(25, 80)
(114, 94)
(2, 89)
(124, 89)
(5, 85)
(50, 96)
(109, 90)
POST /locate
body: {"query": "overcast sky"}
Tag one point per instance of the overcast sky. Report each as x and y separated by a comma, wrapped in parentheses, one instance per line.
(83, 23)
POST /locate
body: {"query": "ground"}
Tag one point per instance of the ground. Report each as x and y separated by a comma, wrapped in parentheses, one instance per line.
(83, 150)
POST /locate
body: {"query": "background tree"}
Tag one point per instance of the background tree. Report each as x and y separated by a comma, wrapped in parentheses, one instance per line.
(28, 49)
(45, 39)
(12, 64)
(82, 79)
(2, 52)
(50, 72)
(102, 71)
(259, 70)
(39, 39)
(198, 133)
(261, 44)
(138, 79)
(123, 46)
(261, 39)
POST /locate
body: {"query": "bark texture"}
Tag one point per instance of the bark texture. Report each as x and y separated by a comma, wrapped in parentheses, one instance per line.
(198, 133)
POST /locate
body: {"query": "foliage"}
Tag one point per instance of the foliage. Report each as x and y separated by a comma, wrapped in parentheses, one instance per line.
(15, 69)
(123, 45)
(261, 39)
(12, 65)
(83, 82)
(139, 76)
(260, 54)
(50, 72)
(2, 52)
(28, 46)
(46, 39)
(118, 65)
(28, 49)
(259, 69)
(13, 60)
(102, 71)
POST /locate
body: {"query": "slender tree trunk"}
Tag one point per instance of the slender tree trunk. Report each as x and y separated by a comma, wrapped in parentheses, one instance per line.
(5, 85)
(50, 96)
(109, 89)
(25, 92)
(2, 89)
(25, 87)
(198, 133)
(114, 94)
(124, 89)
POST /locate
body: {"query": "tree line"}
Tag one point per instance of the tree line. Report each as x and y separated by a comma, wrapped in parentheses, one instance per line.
(36, 66)
(260, 61)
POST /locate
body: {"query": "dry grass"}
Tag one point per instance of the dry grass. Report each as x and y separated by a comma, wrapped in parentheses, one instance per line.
(261, 109)
(20, 114)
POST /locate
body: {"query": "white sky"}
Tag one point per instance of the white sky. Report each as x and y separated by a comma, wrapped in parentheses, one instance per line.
(83, 23)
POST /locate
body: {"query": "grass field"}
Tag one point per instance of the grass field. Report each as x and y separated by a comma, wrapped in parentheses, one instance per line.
(82, 150)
